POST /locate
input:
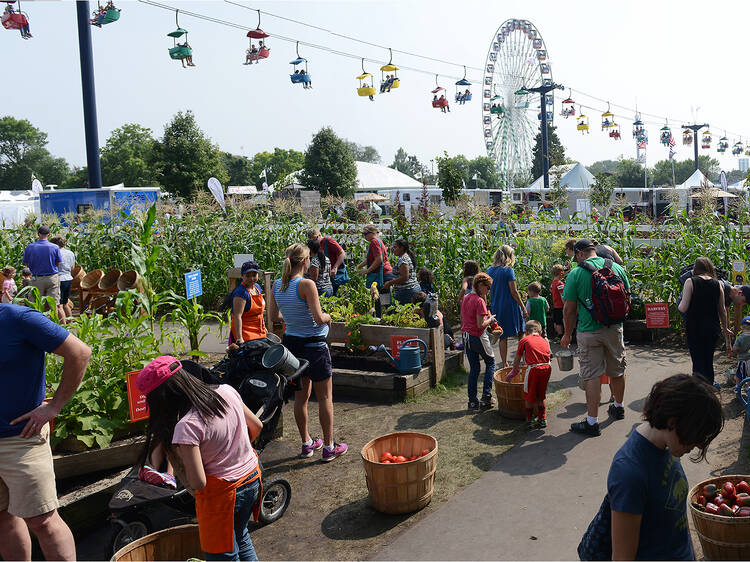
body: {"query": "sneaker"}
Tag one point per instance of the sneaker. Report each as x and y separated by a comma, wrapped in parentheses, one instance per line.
(617, 412)
(338, 450)
(586, 428)
(541, 423)
(308, 450)
(529, 425)
(473, 405)
(487, 402)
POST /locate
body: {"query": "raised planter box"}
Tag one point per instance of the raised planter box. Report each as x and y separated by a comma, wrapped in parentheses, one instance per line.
(119, 454)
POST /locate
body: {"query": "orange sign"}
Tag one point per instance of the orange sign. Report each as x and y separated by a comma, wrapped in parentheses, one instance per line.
(396, 342)
(657, 315)
(136, 399)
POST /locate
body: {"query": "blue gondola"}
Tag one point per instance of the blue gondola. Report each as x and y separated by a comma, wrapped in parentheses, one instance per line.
(300, 75)
(463, 93)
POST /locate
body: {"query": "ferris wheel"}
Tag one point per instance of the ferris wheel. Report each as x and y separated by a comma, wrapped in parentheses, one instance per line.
(517, 60)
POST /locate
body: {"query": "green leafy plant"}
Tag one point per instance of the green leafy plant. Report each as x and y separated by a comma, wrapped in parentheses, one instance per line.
(403, 316)
(189, 314)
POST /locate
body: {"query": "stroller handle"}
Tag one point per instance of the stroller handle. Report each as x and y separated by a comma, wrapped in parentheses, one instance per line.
(303, 365)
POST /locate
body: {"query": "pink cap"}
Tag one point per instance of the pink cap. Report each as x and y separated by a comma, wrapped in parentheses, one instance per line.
(156, 372)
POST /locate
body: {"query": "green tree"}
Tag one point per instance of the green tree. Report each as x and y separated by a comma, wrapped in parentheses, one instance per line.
(77, 178)
(23, 154)
(601, 191)
(409, 165)
(278, 165)
(485, 169)
(683, 169)
(329, 165)
(128, 157)
(628, 173)
(558, 193)
(239, 168)
(186, 158)
(554, 147)
(603, 167)
(363, 153)
(449, 178)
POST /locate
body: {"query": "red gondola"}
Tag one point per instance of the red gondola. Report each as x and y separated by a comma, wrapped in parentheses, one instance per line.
(12, 19)
(261, 51)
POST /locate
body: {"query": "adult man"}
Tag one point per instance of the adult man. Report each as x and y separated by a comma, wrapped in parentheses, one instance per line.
(335, 253)
(601, 349)
(28, 499)
(602, 250)
(42, 258)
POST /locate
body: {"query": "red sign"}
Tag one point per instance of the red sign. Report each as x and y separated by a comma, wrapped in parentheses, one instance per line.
(396, 342)
(136, 399)
(657, 315)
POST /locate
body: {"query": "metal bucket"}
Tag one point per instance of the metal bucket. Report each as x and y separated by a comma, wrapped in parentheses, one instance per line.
(565, 359)
(278, 358)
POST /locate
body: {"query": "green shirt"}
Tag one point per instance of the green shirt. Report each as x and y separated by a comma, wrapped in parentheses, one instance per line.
(578, 288)
(537, 308)
(742, 344)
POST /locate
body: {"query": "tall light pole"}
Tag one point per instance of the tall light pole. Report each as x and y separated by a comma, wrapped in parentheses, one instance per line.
(89, 94)
(695, 128)
(543, 90)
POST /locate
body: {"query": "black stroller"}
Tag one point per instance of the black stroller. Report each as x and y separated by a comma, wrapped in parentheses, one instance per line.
(139, 508)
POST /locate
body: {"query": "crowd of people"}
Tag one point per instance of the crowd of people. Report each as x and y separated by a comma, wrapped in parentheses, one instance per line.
(205, 431)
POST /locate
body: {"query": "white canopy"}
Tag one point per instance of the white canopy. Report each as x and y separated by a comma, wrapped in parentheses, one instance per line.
(572, 176)
(372, 177)
(696, 180)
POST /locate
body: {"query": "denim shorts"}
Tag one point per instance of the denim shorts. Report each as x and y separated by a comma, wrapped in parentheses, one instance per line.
(317, 354)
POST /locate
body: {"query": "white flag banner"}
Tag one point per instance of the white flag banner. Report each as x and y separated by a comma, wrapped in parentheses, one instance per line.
(36, 186)
(215, 188)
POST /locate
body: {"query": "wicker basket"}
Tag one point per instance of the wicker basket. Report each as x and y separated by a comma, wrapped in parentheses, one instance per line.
(78, 273)
(722, 538)
(109, 281)
(510, 401)
(91, 279)
(177, 543)
(404, 487)
(128, 280)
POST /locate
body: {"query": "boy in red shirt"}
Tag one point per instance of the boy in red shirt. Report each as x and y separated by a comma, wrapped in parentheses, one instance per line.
(536, 354)
(556, 288)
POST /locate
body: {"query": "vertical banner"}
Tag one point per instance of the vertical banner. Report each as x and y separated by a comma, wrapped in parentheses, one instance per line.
(214, 186)
(738, 272)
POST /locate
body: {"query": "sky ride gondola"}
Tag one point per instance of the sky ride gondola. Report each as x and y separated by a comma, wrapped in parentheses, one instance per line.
(182, 52)
(639, 131)
(723, 144)
(300, 75)
(498, 106)
(439, 101)
(102, 16)
(687, 137)
(614, 132)
(389, 81)
(366, 87)
(737, 148)
(568, 107)
(255, 53)
(583, 122)
(665, 135)
(12, 19)
(608, 119)
(463, 93)
(747, 150)
(706, 139)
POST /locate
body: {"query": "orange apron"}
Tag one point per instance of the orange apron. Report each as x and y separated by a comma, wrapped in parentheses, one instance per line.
(253, 323)
(214, 507)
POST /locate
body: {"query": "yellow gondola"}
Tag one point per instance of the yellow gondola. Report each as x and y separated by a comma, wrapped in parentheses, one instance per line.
(608, 119)
(366, 89)
(583, 122)
(687, 137)
(389, 81)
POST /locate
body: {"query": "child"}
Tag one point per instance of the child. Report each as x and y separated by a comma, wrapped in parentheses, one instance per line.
(536, 354)
(474, 321)
(537, 306)
(742, 348)
(9, 285)
(25, 277)
(471, 268)
(556, 288)
(425, 278)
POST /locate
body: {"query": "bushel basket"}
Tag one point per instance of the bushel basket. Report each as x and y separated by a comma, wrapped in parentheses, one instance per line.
(510, 401)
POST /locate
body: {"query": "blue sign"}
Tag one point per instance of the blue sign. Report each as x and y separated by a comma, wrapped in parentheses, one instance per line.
(193, 284)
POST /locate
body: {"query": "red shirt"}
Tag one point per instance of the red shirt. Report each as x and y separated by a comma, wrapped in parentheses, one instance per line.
(377, 248)
(332, 249)
(535, 349)
(471, 306)
(557, 288)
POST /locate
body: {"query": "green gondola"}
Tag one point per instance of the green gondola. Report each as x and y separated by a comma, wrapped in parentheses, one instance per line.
(111, 16)
(180, 52)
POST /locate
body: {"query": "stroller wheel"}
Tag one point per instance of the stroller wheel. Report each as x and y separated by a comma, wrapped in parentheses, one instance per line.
(127, 532)
(275, 500)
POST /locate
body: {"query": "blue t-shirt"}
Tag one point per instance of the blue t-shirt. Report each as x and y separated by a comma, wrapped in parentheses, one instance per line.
(242, 292)
(647, 480)
(42, 257)
(27, 335)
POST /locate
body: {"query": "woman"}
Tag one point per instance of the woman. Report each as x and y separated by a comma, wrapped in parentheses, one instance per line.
(703, 303)
(406, 284)
(296, 302)
(646, 486)
(337, 255)
(206, 428)
(375, 265)
(320, 269)
(505, 300)
(65, 308)
(474, 322)
(248, 307)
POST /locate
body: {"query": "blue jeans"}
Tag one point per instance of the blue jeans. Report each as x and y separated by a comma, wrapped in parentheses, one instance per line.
(403, 296)
(474, 350)
(247, 494)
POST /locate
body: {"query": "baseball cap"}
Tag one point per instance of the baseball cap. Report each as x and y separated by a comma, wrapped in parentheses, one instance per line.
(746, 321)
(745, 290)
(583, 244)
(249, 266)
(43, 230)
(156, 372)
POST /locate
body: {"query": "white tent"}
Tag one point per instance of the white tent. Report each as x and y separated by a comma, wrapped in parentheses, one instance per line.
(696, 181)
(371, 177)
(572, 176)
(16, 205)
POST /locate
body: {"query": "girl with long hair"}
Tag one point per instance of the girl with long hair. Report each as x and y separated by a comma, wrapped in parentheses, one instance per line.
(406, 284)
(320, 269)
(204, 429)
(505, 300)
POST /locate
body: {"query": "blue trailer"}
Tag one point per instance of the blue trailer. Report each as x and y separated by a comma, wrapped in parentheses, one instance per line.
(107, 199)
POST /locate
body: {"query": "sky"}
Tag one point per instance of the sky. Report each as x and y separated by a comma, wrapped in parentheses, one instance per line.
(667, 57)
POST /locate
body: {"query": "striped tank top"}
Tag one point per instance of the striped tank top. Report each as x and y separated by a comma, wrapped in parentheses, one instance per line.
(297, 316)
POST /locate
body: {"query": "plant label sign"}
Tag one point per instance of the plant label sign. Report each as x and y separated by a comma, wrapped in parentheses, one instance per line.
(657, 315)
(193, 284)
(738, 272)
(239, 259)
(136, 399)
(396, 342)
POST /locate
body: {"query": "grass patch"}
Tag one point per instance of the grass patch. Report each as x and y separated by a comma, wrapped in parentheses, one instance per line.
(450, 383)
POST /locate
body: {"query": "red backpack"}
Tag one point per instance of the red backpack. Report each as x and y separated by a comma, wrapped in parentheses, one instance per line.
(610, 300)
